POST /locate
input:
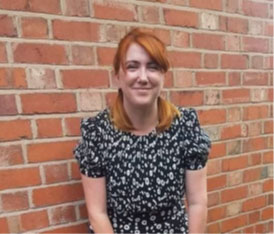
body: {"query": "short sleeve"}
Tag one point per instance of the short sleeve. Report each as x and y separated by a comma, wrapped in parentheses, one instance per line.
(198, 143)
(87, 151)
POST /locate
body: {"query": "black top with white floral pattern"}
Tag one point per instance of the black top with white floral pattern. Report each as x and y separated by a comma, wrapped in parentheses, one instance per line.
(145, 175)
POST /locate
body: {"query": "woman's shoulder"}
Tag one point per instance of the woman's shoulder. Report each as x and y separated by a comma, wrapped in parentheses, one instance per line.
(187, 114)
(96, 122)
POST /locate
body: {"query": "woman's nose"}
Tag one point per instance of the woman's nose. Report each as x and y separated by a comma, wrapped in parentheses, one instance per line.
(143, 75)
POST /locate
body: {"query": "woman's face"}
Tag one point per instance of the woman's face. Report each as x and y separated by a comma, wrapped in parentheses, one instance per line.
(142, 80)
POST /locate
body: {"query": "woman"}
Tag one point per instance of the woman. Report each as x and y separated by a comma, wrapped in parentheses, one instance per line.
(142, 155)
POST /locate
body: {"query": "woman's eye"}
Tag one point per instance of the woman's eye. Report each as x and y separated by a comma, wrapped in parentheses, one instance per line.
(131, 67)
(153, 68)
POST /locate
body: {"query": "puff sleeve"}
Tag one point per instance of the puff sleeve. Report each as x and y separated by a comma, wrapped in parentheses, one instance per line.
(198, 143)
(88, 152)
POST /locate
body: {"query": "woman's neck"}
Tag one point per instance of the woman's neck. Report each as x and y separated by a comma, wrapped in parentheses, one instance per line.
(144, 119)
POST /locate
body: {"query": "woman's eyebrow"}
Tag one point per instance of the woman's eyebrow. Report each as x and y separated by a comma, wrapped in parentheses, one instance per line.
(132, 61)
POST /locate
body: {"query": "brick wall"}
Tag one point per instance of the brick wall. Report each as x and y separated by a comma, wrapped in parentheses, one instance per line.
(55, 68)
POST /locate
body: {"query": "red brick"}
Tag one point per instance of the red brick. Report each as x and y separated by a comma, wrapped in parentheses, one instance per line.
(257, 9)
(217, 150)
(232, 132)
(180, 39)
(150, 14)
(260, 228)
(233, 43)
(50, 151)
(40, 78)
(211, 60)
(72, 126)
(210, 78)
(237, 25)
(234, 194)
(213, 167)
(62, 194)
(213, 199)
(183, 79)
(255, 112)
(257, 62)
(15, 130)
(268, 185)
(233, 61)
(252, 44)
(268, 126)
(49, 127)
(114, 33)
(13, 4)
(83, 211)
(234, 79)
(233, 114)
(254, 217)
(85, 78)
(105, 55)
(15, 201)
(232, 6)
(56, 173)
(268, 157)
(47, 6)
(234, 223)
(75, 31)
(255, 159)
(268, 28)
(208, 41)
(252, 174)
(163, 35)
(235, 163)
(78, 228)
(4, 225)
(48, 103)
(64, 214)
(3, 53)
(34, 28)
(187, 98)
(117, 11)
(209, 4)
(254, 144)
(13, 78)
(7, 105)
(110, 98)
(216, 183)
(34, 220)
(83, 55)
(213, 228)
(187, 59)
(212, 116)
(77, 8)
(10, 155)
(268, 63)
(75, 172)
(233, 147)
(168, 80)
(254, 203)
(181, 18)
(39, 53)
(7, 28)
(255, 78)
(16, 178)
(267, 213)
(236, 96)
(254, 129)
(217, 213)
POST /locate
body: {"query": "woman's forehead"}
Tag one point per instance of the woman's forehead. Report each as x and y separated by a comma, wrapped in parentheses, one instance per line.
(136, 52)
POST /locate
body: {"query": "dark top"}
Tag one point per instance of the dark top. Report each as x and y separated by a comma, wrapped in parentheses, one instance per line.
(145, 175)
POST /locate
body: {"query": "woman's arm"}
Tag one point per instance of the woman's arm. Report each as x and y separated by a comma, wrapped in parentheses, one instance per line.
(95, 194)
(196, 194)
